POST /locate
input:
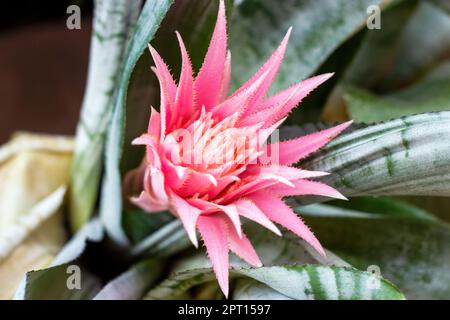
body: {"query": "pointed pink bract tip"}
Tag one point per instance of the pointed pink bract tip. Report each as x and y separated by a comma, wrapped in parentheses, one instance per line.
(335, 131)
(178, 35)
(326, 76)
(340, 196)
(141, 140)
(321, 251)
(288, 33)
(153, 52)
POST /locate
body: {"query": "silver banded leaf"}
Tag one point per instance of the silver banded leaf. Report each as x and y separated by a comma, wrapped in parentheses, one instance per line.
(112, 25)
(412, 253)
(300, 282)
(390, 158)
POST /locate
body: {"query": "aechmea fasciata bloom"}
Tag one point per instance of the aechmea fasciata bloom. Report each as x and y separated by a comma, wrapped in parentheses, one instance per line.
(207, 159)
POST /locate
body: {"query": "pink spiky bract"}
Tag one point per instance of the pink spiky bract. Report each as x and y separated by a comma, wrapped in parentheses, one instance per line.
(198, 167)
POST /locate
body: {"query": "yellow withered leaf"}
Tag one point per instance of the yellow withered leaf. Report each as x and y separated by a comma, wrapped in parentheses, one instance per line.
(34, 173)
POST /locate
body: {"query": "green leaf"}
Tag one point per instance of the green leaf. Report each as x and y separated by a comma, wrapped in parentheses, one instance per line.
(386, 207)
(414, 38)
(134, 283)
(434, 205)
(424, 44)
(432, 93)
(412, 253)
(112, 25)
(379, 47)
(139, 224)
(298, 282)
(444, 4)
(272, 250)
(397, 59)
(53, 284)
(319, 27)
(391, 158)
(111, 202)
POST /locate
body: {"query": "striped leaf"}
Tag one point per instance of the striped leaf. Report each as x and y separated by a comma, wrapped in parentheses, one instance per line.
(300, 282)
(412, 253)
(112, 25)
(390, 158)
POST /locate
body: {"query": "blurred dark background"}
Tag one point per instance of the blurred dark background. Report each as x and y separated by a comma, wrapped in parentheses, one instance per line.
(43, 66)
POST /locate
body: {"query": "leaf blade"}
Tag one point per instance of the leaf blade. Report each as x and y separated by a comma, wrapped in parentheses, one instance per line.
(389, 158)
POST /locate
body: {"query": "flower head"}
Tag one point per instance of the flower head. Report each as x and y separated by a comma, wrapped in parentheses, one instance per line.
(207, 159)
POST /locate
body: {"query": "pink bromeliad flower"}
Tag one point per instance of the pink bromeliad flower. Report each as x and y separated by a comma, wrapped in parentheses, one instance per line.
(207, 159)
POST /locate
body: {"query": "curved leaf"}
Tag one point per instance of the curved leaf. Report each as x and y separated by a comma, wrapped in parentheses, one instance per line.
(112, 25)
(396, 59)
(370, 206)
(319, 27)
(300, 282)
(390, 158)
(413, 253)
(432, 93)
